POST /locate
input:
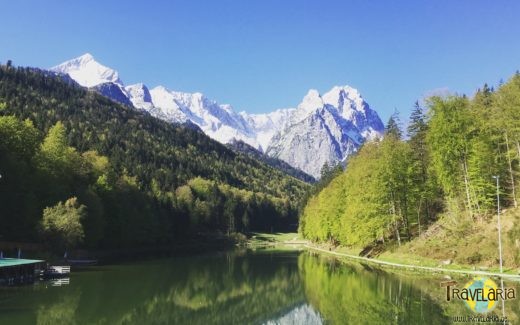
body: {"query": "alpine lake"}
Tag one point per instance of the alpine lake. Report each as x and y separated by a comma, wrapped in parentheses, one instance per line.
(243, 287)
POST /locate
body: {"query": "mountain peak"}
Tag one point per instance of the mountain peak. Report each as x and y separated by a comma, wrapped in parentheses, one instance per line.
(325, 128)
(347, 100)
(337, 95)
(85, 57)
(311, 101)
(313, 93)
(344, 88)
(86, 71)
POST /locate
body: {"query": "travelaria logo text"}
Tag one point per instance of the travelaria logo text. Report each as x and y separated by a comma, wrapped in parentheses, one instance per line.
(480, 294)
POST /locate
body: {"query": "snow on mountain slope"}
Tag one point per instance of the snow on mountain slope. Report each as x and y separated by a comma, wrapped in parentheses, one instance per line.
(321, 129)
(87, 72)
(217, 121)
(325, 129)
(140, 96)
(352, 107)
(265, 126)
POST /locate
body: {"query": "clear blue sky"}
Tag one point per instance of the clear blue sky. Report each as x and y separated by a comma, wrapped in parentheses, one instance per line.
(259, 55)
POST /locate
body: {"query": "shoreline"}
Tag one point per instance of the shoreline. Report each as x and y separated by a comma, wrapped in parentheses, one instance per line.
(110, 256)
(413, 267)
(115, 256)
(279, 241)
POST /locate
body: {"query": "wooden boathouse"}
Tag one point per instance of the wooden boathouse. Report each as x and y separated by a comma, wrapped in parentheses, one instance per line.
(18, 271)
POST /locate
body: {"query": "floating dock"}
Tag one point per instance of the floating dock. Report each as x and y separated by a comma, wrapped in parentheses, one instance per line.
(19, 271)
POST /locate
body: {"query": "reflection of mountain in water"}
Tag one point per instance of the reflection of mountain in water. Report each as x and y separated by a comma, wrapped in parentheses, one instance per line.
(303, 314)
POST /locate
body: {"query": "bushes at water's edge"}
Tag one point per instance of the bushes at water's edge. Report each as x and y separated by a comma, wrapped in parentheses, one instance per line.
(392, 188)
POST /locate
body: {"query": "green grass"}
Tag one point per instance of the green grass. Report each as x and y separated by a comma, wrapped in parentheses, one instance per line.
(468, 245)
(257, 239)
(403, 258)
(411, 260)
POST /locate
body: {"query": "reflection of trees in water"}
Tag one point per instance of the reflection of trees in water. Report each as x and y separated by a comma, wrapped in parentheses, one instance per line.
(241, 289)
(346, 294)
(225, 289)
(231, 290)
(59, 312)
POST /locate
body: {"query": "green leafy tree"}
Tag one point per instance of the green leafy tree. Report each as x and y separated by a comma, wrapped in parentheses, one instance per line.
(487, 153)
(19, 208)
(17, 137)
(62, 223)
(398, 185)
(449, 131)
(505, 119)
(56, 156)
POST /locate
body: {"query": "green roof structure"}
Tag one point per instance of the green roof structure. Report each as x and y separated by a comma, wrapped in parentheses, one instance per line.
(10, 262)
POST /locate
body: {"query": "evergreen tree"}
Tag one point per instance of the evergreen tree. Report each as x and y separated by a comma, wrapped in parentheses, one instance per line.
(424, 185)
(417, 127)
(392, 126)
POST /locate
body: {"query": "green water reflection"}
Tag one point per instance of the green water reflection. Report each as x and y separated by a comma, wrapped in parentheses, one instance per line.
(236, 288)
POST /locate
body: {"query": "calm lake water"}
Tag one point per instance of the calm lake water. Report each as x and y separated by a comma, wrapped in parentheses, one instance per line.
(239, 288)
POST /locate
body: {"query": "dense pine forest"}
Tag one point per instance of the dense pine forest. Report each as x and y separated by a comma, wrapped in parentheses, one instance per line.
(444, 167)
(79, 169)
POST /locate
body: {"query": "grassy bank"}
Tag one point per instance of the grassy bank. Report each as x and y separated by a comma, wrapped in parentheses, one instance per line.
(468, 244)
(275, 240)
(471, 245)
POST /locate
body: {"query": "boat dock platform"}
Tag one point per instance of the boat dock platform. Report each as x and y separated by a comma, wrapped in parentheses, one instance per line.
(19, 271)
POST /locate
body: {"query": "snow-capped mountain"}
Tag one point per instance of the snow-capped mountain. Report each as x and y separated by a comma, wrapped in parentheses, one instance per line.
(266, 126)
(87, 72)
(325, 129)
(140, 96)
(321, 129)
(218, 121)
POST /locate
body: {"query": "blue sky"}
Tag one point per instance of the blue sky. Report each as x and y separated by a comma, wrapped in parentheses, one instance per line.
(259, 55)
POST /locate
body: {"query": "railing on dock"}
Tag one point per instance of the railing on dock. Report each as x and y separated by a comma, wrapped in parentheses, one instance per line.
(55, 269)
(60, 282)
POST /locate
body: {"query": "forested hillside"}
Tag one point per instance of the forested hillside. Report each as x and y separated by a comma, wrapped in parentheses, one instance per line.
(136, 179)
(394, 188)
